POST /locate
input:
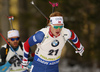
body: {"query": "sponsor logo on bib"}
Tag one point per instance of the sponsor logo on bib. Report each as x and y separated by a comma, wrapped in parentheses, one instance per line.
(55, 43)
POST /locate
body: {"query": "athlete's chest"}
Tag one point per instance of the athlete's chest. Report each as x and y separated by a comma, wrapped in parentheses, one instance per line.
(11, 53)
(52, 43)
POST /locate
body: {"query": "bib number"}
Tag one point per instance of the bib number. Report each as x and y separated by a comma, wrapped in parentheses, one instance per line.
(53, 52)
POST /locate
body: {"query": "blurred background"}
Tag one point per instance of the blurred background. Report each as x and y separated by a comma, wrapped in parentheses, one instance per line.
(81, 16)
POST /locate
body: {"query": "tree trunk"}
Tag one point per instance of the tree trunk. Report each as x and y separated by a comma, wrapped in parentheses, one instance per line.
(4, 20)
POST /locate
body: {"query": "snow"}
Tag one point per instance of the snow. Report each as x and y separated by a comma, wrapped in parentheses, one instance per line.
(64, 67)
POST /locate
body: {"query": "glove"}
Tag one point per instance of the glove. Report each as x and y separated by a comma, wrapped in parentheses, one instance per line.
(25, 64)
(13, 59)
(19, 61)
(21, 57)
(80, 50)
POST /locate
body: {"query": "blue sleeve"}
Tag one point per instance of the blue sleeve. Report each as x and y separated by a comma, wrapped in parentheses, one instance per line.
(5, 67)
(36, 38)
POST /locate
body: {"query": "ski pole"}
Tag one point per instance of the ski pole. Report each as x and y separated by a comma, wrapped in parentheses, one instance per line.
(53, 6)
(39, 10)
(10, 18)
(72, 45)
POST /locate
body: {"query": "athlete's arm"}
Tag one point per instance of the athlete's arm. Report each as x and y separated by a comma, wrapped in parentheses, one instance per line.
(34, 39)
(76, 41)
(2, 56)
(5, 67)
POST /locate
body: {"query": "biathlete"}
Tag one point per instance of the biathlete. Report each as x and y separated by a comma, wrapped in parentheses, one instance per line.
(50, 41)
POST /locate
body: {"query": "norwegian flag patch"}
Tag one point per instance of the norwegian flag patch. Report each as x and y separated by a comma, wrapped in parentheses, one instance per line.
(59, 21)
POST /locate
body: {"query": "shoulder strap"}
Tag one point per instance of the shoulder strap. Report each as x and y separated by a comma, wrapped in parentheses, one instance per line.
(62, 33)
(20, 43)
(7, 49)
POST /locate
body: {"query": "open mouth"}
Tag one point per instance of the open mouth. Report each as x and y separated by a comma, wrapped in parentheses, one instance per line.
(57, 32)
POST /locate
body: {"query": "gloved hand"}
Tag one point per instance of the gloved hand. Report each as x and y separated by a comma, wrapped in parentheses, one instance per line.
(19, 60)
(21, 57)
(13, 59)
(25, 64)
(80, 50)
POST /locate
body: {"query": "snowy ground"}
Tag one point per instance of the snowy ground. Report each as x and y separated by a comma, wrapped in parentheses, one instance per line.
(64, 67)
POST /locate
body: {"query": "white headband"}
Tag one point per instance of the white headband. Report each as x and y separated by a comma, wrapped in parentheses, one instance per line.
(12, 33)
(56, 20)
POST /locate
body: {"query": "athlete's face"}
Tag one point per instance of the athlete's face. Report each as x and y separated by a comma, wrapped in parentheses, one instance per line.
(14, 41)
(56, 29)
